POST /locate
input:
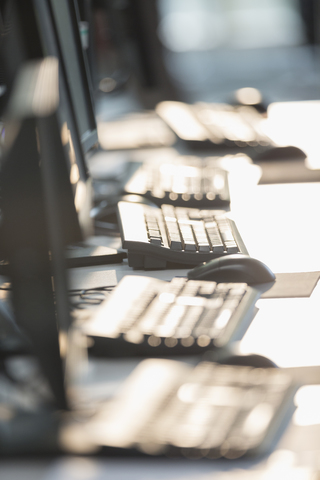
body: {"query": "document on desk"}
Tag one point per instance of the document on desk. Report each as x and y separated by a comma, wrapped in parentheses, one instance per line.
(293, 285)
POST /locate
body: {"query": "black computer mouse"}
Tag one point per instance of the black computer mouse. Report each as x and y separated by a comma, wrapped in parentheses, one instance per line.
(251, 97)
(233, 268)
(274, 154)
(230, 355)
(109, 205)
(250, 360)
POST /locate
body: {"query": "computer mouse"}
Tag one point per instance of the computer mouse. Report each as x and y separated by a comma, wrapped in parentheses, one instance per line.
(280, 153)
(233, 268)
(230, 355)
(251, 97)
(109, 205)
(133, 198)
(250, 360)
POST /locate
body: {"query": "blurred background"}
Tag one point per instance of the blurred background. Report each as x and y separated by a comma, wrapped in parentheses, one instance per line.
(203, 50)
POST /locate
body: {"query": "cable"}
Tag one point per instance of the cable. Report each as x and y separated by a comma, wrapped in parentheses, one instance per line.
(90, 297)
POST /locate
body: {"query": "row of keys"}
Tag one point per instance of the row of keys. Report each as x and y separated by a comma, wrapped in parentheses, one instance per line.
(224, 418)
(184, 309)
(192, 233)
(241, 124)
(186, 180)
(153, 230)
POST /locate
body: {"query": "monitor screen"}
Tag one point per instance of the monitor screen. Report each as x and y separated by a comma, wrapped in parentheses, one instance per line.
(67, 27)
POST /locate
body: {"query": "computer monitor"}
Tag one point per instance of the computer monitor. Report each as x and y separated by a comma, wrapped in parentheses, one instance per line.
(42, 212)
(66, 19)
(32, 229)
(32, 36)
(76, 100)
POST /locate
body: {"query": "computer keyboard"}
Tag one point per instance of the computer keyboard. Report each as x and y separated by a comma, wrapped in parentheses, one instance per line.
(168, 318)
(239, 125)
(184, 181)
(210, 410)
(205, 125)
(185, 236)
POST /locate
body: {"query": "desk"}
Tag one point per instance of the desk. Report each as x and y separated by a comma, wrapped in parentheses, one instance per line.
(289, 335)
(286, 330)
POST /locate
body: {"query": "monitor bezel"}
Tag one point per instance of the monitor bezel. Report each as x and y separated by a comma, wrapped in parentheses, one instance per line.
(89, 139)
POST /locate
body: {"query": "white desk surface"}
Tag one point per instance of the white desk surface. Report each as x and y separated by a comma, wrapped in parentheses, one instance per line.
(279, 225)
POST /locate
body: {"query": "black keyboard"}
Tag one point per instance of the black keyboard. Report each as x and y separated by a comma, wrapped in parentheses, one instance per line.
(151, 317)
(184, 181)
(171, 408)
(206, 125)
(185, 236)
